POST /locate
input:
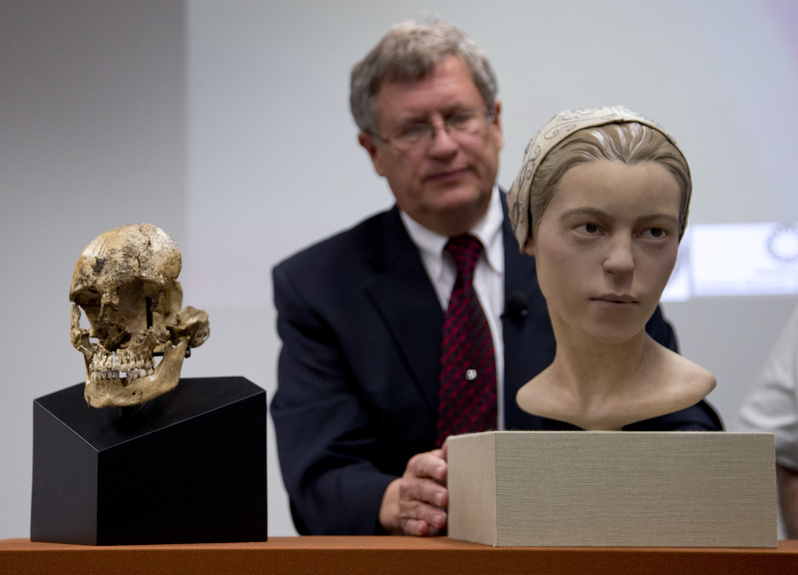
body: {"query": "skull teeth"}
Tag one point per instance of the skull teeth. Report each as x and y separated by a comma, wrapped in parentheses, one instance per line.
(120, 367)
(130, 375)
(111, 363)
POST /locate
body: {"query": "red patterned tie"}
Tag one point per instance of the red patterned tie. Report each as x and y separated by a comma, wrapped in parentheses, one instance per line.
(467, 392)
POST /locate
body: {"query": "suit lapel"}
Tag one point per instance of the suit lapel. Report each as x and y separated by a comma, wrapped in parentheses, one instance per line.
(402, 292)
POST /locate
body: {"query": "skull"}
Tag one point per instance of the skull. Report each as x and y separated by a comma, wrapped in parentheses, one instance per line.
(125, 281)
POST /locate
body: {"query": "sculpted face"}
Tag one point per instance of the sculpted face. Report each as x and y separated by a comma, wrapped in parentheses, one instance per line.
(444, 183)
(606, 246)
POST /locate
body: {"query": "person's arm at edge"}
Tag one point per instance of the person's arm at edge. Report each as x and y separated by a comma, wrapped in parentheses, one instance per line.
(787, 479)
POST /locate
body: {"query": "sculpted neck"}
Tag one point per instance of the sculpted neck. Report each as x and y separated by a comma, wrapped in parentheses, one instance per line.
(606, 387)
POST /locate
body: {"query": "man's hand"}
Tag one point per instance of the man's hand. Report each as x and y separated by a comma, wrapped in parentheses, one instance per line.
(415, 504)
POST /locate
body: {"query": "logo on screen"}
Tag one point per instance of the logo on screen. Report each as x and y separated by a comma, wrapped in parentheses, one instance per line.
(783, 243)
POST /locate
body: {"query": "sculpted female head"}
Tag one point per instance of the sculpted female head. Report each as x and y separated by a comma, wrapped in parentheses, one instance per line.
(601, 202)
(574, 137)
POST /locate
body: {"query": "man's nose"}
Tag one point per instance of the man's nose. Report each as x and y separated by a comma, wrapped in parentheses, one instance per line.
(443, 141)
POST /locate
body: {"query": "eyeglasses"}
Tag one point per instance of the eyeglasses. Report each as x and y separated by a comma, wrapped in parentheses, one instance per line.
(466, 123)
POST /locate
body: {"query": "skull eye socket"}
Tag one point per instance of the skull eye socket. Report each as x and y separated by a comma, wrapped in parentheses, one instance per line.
(131, 306)
(88, 299)
(91, 303)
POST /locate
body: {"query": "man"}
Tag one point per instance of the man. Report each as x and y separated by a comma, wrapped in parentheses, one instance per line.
(361, 314)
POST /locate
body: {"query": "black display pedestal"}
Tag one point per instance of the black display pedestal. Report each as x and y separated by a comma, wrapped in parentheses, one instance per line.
(186, 467)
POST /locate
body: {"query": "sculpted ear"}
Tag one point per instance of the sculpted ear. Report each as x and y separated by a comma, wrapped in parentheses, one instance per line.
(529, 245)
(367, 141)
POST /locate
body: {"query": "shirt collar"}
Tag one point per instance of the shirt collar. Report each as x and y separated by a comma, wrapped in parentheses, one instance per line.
(488, 230)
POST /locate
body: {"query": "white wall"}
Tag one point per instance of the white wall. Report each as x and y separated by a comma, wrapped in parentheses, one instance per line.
(227, 124)
(92, 136)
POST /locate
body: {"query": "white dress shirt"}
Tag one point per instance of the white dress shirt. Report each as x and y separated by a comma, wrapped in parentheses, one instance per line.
(488, 275)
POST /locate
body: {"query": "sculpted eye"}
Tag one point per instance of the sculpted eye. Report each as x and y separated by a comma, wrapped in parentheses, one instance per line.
(655, 233)
(588, 229)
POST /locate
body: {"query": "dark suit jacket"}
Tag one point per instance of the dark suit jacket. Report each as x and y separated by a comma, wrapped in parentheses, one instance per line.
(358, 371)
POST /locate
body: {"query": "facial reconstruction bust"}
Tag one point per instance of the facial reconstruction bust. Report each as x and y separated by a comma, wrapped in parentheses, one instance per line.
(601, 202)
(125, 281)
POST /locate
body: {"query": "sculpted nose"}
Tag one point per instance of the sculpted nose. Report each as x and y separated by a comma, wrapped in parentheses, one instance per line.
(620, 259)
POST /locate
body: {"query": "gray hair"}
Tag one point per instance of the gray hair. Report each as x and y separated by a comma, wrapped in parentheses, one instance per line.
(409, 51)
(629, 143)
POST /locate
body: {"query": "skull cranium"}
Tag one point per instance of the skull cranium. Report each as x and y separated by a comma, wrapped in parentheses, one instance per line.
(125, 281)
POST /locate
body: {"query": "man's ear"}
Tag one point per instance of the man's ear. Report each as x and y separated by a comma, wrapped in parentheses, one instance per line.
(367, 141)
(497, 123)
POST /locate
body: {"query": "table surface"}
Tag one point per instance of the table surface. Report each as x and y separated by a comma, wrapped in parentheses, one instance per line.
(354, 555)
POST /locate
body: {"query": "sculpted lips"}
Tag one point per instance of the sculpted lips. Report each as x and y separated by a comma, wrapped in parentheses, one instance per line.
(612, 298)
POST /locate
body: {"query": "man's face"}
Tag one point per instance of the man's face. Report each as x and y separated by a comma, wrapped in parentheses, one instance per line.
(444, 183)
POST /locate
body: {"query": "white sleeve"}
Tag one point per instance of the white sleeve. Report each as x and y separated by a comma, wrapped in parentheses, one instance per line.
(773, 403)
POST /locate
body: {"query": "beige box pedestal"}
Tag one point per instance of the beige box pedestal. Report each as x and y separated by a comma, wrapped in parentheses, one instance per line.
(604, 488)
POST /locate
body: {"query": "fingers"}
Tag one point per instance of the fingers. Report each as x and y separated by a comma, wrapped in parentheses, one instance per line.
(424, 501)
(420, 528)
(416, 489)
(421, 519)
(403, 512)
(422, 494)
(415, 504)
(429, 465)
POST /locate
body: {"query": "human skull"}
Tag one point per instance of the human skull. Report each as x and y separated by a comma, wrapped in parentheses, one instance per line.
(125, 281)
